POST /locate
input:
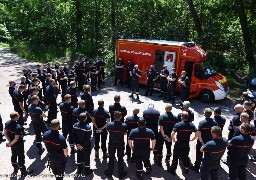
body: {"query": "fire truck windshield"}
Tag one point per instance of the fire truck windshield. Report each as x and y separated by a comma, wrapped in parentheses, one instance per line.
(208, 69)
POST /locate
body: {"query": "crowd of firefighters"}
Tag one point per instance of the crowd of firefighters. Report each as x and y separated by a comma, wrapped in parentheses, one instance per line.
(37, 92)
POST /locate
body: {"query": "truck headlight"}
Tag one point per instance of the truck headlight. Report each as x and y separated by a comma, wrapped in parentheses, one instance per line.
(219, 85)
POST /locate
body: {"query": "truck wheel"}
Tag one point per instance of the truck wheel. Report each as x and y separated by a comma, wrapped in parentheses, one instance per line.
(206, 96)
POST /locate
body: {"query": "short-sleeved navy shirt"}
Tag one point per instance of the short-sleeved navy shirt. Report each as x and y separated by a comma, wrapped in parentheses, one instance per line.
(54, 142)
(100, 115)
(151, 116)
(35, 113)
(77, 112)
(66, 113)
(141, 137)
(89, 106)
(167, 120)
(13, 128)
(252, 132)
(17, 98)
(164, 72)
(82, 132)
(119, 63)
(190, 116)
(205, 128)
(184, 129)
(234, 122)
(241, 146)
(213, 151)
(132, 122)
(250, 113)
(174, 76)
(117, 107)
(220, 120)
(116, 130)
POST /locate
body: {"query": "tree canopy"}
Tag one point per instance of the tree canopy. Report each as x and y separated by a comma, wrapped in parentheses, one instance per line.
(48, 29)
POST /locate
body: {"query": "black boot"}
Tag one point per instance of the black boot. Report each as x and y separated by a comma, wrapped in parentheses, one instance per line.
(15, 170)
(41, 150)
(148, 170)
(87, 171)
(131, 95)
(25, 172)
(79, 169)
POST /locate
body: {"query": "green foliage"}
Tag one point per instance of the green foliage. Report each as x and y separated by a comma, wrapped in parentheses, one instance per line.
(49, 29)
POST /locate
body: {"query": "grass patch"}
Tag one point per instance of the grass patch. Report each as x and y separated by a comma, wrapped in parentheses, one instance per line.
(4, 45)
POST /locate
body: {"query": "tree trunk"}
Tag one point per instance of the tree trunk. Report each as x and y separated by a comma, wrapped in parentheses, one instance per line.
(113, 25)
(195, 17)
(246, 35)
(78, 20)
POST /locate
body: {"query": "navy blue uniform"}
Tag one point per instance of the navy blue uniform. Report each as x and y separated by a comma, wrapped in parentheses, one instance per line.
(150, 82)
(132, 122)
(13, 128)
(172, 86)
(213, 151)
(184, 89)
(35, 113)
(167, 121)
(55, 144)
(67, 122)
(63, 83)
(241, 146)
(101, 76)
(151, 116)
(100, 115)
(94, 77)
(50, 98)
(183, 130)
(117, 107)
(1, 128)
(220, 120)
(17, 98)
(116, 130)
(164, 82)
(77, 112)
(252, 131)
(119, 72)
(74, 99)
(141, 138)
(190, 116)
(82, 132)
(87, 97)
(205, 128)
(135, 81)
(250, 113)
(129, 68)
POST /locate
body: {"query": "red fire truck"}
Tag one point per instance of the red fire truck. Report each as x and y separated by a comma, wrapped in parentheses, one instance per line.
(206, 83)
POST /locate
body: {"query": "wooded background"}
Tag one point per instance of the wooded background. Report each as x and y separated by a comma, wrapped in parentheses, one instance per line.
(45, 30)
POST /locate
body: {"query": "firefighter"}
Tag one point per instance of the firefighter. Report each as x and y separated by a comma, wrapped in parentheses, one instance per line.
(151, 116)
(117, 107)
(135, 74)
(14, 136)
(184, 86)
(66, 110)
(57, 149)
(220, 120)
(82, 132)
(164, 73)
(100, 118)
(117, 130)
(185, 107)
(151, 78)
(166, 123)
(132, 122)
(87, 97)
(129, 68)
(139, 142)
(119, 72)
(94, 76)
(204, 135)
(183, 131)
(172, 80)
(213, 151)
(241, 146)
(50, 98)
(39, 127)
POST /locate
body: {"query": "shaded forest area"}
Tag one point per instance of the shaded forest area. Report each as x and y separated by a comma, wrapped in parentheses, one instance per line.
(45, 30)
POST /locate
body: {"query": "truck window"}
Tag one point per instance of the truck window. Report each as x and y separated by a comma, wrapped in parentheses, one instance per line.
(198, 71)
(189, 68)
